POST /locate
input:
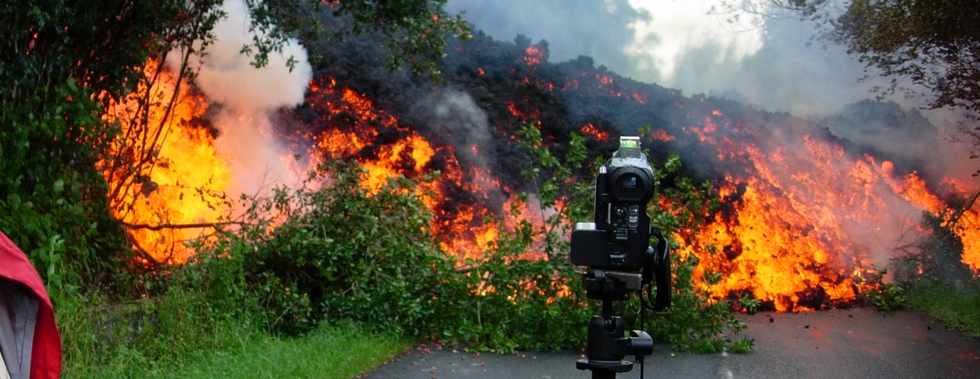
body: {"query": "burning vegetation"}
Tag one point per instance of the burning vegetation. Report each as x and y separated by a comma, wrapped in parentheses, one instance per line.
(172, 178)
(805, 216)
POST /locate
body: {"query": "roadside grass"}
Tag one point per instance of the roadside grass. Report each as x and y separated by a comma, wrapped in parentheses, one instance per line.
(180, 336)
(957, 308)
(338, 351)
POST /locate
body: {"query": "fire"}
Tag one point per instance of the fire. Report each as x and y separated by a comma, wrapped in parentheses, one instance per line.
(184, 190)
(965, 223)
(604, 80)
(533, 56)
(766, 252)
(661, 135)
(184, 186)
(968, 229)
(352, 126)
(592, 131)
(413, 149)
(806, 220)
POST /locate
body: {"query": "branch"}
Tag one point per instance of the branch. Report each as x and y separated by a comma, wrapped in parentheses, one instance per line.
(959, 212)
(181, 226)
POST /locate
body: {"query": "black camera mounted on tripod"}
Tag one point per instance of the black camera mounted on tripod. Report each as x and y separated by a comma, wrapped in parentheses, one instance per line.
(617, 253)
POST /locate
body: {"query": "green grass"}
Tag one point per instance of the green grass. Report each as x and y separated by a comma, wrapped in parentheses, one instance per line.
(957, 308)
(340, 351)
(178, 336)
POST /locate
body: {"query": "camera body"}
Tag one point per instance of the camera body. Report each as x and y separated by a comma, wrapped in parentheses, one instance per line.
(619, 237)
(615, 248)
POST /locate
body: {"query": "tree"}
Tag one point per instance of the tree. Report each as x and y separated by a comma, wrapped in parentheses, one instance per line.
(415, 33)
(63, 62)
(935, 44)
(415, 30)
(66, 61)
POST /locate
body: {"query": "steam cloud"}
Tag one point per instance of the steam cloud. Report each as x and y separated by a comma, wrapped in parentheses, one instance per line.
(247, 96)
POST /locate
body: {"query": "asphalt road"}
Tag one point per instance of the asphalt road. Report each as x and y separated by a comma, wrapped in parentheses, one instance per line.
(849, 343)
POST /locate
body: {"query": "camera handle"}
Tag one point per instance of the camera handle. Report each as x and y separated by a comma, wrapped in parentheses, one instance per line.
(656, 268)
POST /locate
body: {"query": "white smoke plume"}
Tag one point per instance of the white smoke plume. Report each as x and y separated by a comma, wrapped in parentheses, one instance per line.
(247, 96)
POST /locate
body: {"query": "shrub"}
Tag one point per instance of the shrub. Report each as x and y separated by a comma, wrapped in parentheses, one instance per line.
(52, 199)
(305, 257)
(340, 253)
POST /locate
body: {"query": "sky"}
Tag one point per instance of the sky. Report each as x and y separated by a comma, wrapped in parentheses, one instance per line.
(692, 45)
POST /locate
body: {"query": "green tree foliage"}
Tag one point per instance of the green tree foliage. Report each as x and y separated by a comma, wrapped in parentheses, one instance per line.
(935, 44)
(51, 203)
(63, 61)
(930, 47)
(415, 31)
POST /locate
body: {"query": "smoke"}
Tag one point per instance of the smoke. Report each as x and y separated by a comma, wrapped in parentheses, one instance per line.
(689, 45)
(453, 113)
(247, 96)
(762, 57)
(599, 29)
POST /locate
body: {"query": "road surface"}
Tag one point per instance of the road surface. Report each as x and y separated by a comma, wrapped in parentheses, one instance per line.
(847, 343)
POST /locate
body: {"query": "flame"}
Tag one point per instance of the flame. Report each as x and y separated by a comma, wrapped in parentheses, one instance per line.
(968, 229)
(661, 135)
(533, 56)
(353, 126)
(184, 186)
(806, 221)
(604, 80)
(765, 252)
(592, 131)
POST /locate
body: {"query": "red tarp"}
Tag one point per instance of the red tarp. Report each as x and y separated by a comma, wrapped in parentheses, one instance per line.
(46, 353)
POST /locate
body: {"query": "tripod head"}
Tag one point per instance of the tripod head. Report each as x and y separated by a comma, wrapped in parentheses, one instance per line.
(616, 251)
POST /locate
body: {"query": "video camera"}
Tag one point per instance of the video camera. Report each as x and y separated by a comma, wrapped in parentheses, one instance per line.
(616, 251)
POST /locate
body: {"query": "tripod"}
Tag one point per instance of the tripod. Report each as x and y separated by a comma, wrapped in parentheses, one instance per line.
(607, 345)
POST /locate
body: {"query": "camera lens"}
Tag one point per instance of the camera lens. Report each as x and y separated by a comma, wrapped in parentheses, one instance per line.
(630, 182)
